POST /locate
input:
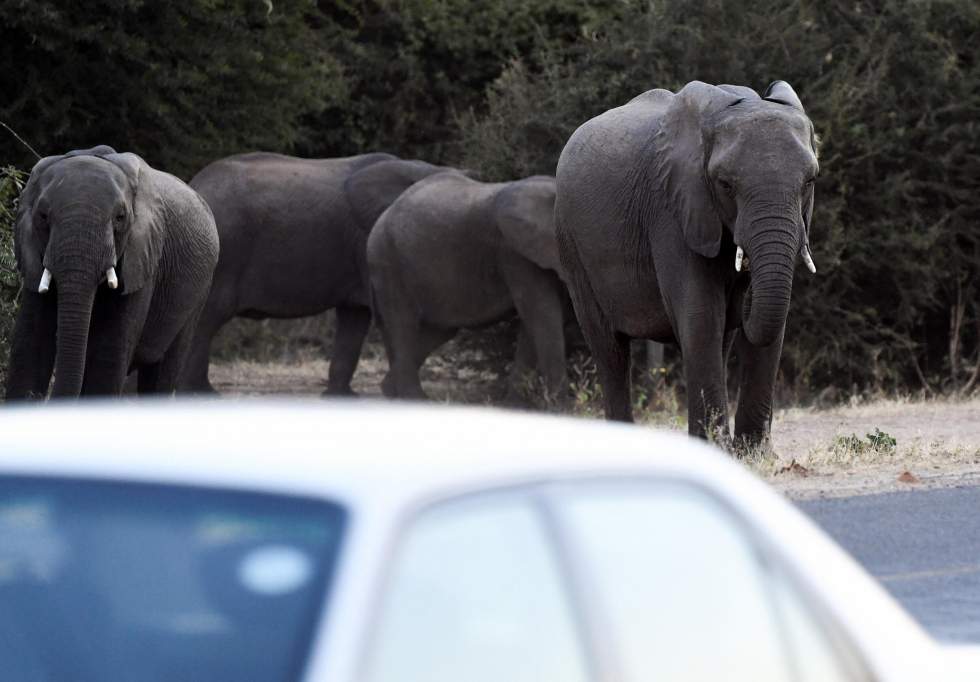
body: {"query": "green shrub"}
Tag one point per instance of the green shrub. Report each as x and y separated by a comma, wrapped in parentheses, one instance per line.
(11, 183)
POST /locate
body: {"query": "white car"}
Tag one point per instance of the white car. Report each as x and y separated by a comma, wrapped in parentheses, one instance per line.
(366, 543)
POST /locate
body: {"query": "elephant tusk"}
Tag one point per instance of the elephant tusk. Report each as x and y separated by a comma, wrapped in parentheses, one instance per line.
(809, 260)
(739, 254)
(45, 282)
(110, 276)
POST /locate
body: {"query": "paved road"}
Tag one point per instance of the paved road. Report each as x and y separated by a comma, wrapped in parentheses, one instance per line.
(924, 546)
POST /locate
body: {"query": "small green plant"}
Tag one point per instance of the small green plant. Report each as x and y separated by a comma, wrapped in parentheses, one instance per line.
(879, 442)
(584, 385)
(882, 442)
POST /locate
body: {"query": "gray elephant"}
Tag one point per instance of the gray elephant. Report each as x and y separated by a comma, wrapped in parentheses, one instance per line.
(116, 259)
(454, 253)
(293, 233)
(663, 204)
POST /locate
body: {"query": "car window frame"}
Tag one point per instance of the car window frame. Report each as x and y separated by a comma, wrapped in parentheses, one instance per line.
(773, 562)
(568, 577)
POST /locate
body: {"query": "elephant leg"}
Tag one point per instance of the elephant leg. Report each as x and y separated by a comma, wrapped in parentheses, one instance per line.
(32, 349)
(352, 327)
(523, 366)
(163, 378)
(613, 364)
(703, 349)
(610, 349)
(401, 331)
(110, 349)
(610, 352)
(537, 295)
(219, 309)
(409, 383)
(758, 366)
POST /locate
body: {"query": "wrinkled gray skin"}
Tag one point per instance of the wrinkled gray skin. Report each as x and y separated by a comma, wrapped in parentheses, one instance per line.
(293, 234)
(79, 215)
(653, 199)
(455, 253)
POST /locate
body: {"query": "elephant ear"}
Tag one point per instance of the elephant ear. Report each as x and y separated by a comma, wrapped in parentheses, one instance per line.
(28, 244)
(783, 93)
(525, 212)
(371, 190)
(679, 160)
(141, 244)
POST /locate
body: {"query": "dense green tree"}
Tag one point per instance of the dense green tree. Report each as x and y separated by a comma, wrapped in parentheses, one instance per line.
(180, 83)
(412, 67)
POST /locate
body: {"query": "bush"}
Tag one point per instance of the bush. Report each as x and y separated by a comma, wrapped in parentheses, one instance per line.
(179, 83)
(11, 183)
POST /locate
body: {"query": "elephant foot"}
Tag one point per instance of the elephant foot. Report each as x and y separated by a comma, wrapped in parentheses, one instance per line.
(388, 387)
(345, 392)
(408, 391)
(203, 391)
(753, 446)
(516, 396)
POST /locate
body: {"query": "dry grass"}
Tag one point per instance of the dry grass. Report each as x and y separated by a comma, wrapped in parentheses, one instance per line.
(858, 447)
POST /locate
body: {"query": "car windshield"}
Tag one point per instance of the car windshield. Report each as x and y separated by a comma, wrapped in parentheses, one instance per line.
(104, 581)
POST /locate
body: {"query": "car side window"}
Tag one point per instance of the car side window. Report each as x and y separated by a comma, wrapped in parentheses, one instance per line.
(685, 592)
(476, 593)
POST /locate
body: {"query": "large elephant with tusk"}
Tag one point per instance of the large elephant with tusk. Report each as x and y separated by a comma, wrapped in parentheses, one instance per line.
(680, 218)
(116, 260)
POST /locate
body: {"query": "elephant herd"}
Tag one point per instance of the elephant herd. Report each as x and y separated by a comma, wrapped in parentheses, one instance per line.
(677, 217)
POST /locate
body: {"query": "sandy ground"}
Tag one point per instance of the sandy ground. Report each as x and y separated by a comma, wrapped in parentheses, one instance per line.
(817, 453)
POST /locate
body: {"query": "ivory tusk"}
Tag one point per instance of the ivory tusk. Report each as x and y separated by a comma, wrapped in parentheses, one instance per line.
(809, 260)
(739, 254)
(45, 282)
(110, 276)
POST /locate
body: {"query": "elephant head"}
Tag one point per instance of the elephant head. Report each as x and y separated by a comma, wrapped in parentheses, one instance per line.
(727, 159)
(87, 217)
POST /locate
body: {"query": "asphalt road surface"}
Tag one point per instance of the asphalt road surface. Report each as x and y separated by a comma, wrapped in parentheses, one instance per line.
(923, 546)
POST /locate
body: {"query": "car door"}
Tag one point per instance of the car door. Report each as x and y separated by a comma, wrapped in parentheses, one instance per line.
(477, 591)
(685, 592)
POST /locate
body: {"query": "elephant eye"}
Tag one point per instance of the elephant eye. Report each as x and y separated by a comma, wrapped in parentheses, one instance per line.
(120, 218)
(727, 188)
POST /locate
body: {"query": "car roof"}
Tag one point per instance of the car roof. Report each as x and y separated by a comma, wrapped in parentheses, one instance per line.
(342, 447)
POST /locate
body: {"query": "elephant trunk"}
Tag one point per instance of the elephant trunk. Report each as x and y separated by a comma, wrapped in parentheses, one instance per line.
(772, 252)
(78, 260)
(75, 300)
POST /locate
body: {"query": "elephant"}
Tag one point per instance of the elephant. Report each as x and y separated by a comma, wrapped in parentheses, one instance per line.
(453, 252)
(92, 217)
(293, 233)
(680, 218)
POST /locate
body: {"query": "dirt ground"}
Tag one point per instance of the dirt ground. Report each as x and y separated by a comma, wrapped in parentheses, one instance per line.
(861, 448)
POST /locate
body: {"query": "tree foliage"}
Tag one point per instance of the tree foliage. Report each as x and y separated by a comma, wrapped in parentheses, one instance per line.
(12, 181)
(180, 83)
(412, 67)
